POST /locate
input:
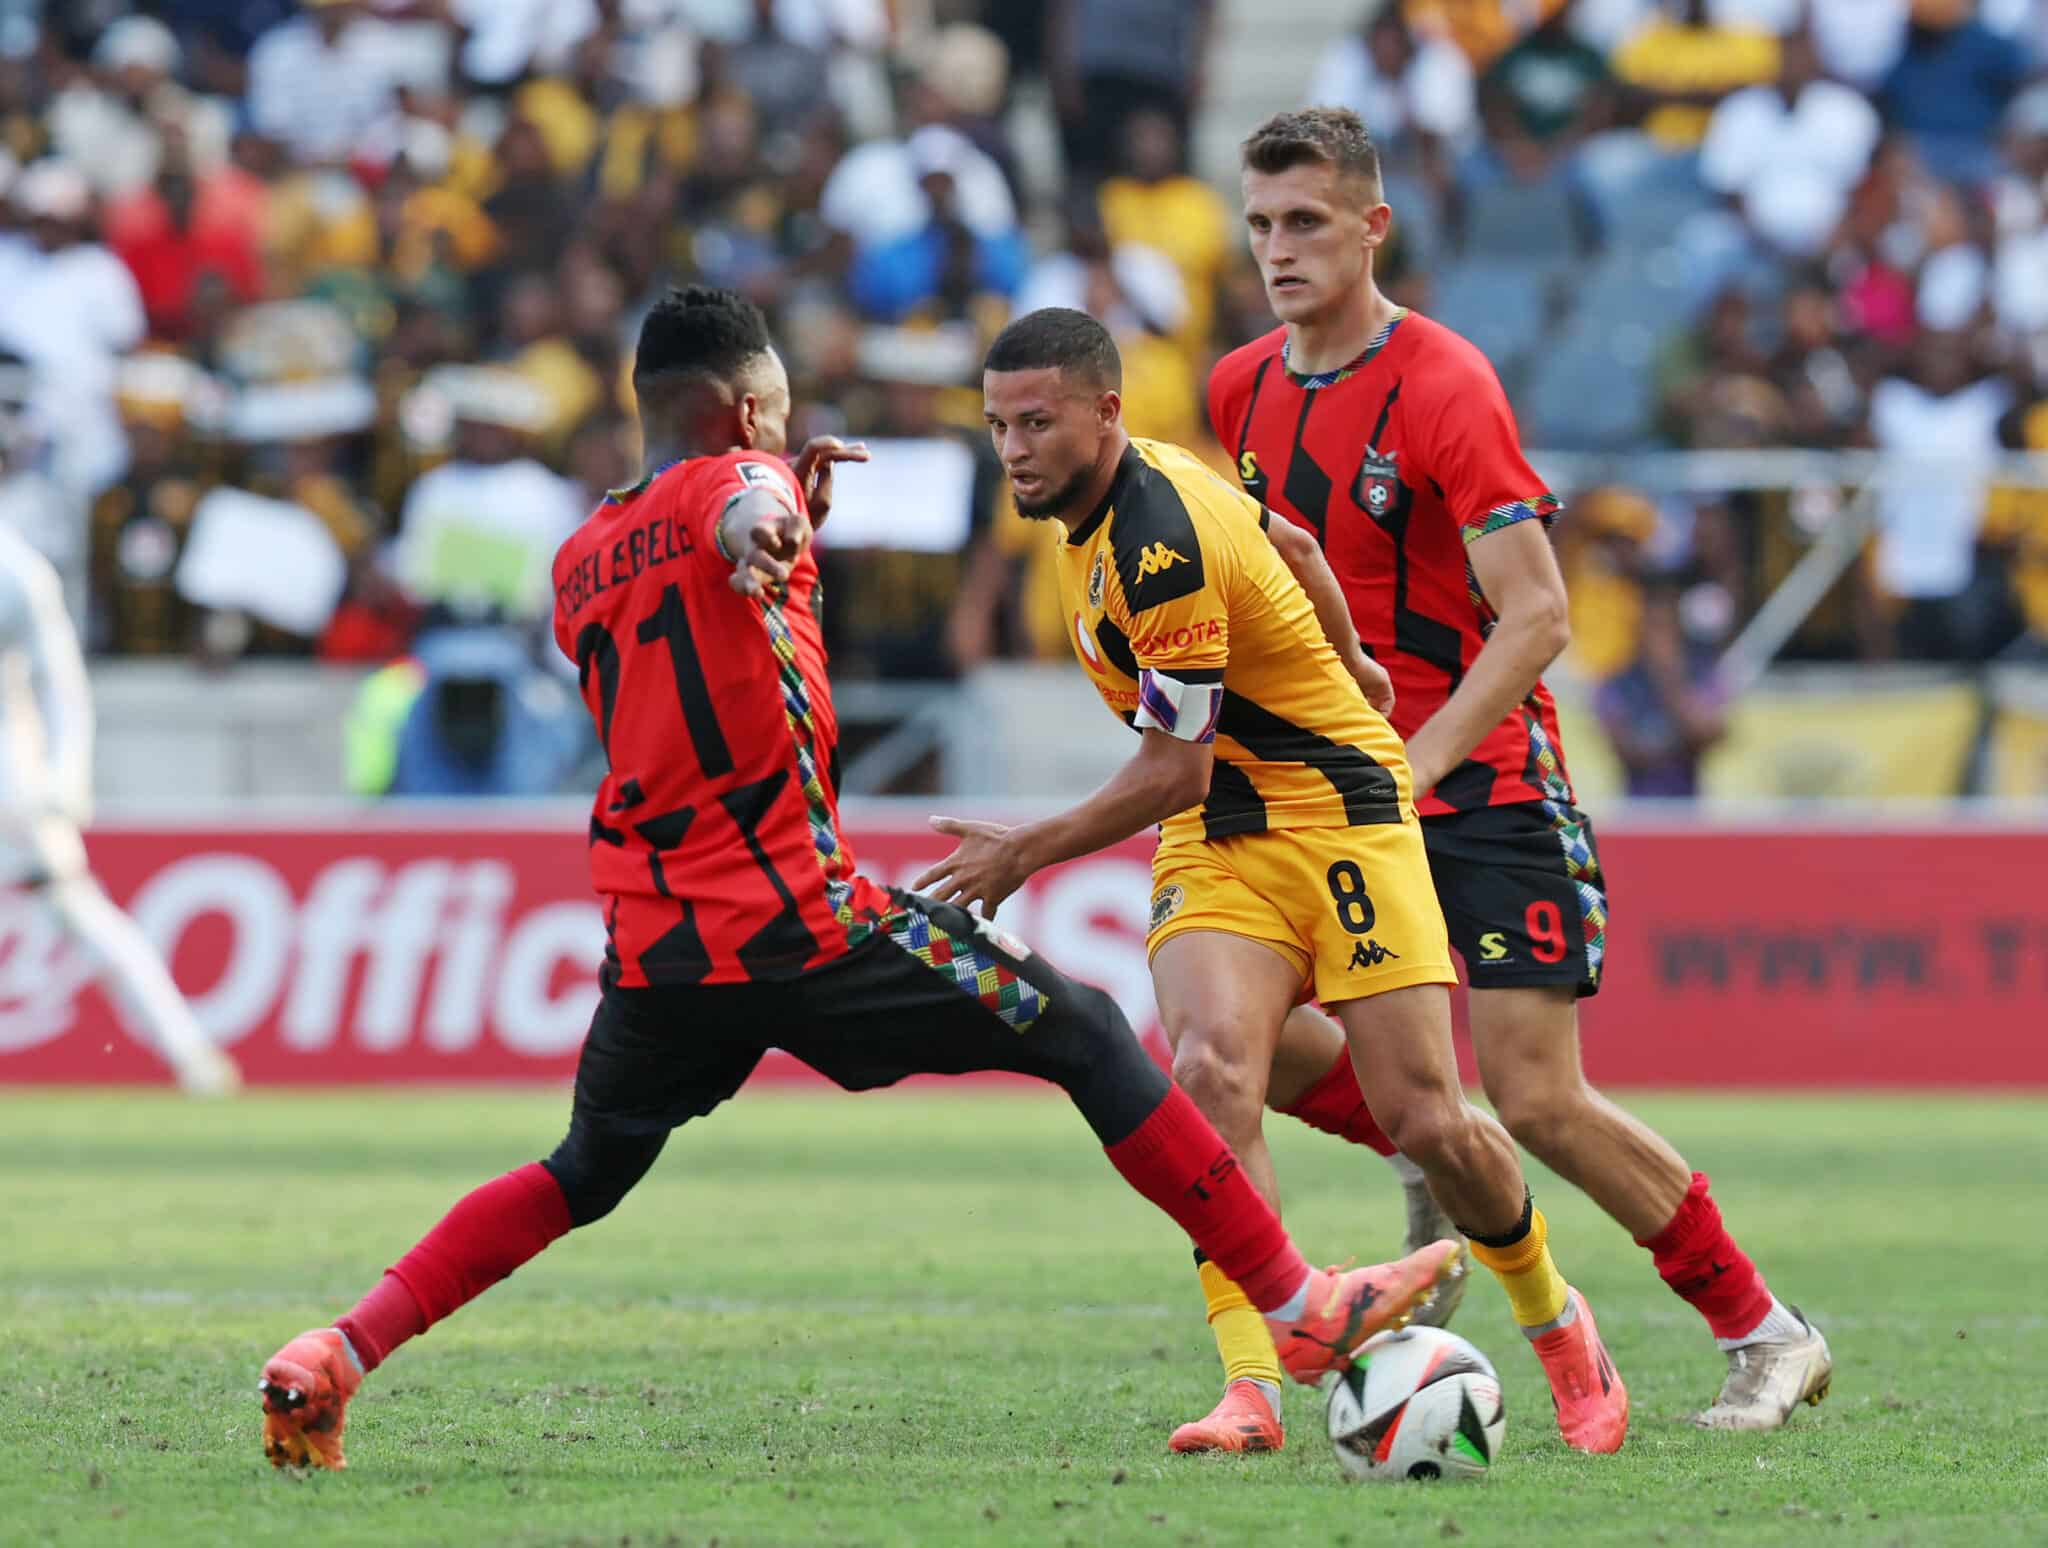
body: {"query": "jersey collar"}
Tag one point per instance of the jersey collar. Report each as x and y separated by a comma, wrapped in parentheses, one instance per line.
(621, 496)
(1332, 378)
(1126, 469)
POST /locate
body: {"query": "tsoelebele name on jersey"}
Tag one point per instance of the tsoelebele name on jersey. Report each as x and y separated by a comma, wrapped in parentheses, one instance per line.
(631, 556)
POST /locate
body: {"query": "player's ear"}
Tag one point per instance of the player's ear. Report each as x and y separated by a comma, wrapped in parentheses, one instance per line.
(1109, 408)
(1379, 219)
(748, 410)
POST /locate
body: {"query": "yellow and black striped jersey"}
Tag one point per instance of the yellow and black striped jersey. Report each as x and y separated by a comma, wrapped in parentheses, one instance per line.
(1186, 618)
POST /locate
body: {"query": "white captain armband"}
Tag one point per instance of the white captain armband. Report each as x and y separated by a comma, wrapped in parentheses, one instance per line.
(1187, 706)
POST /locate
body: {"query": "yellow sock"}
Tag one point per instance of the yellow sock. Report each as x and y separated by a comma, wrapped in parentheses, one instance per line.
(1242, 1339)
(1535, 1288)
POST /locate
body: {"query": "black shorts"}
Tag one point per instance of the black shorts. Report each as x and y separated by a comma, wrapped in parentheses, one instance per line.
(931, 991)
(1523, 893)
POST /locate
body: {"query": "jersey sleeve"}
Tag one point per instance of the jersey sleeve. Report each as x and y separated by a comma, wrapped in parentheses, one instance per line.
(1220, 395)
(1171, 600)
(728, 479)
(1473, 450)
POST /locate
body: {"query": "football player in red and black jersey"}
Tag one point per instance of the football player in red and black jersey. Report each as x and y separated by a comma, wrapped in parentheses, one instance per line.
(1388, 436)
(736, 920)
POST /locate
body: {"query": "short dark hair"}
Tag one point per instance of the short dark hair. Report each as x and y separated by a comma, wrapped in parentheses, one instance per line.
(1058, 336)
(700, 330)
(1335, 137)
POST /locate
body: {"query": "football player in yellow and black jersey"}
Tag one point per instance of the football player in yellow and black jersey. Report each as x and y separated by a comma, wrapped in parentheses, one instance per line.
(1290, 859)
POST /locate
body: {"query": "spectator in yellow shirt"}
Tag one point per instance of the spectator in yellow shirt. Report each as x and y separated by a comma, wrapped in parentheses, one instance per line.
(1154, 201)
(1682, 63)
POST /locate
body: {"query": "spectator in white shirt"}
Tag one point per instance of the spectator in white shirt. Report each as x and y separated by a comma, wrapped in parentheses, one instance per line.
(71, 311)
(876, 194)
(101, 122)
(507, 38)
(1859, 40)
(2019, 204)
(1941, 427)
(479, 533)
(1415, 94)
(319, 82)
(1793, 151)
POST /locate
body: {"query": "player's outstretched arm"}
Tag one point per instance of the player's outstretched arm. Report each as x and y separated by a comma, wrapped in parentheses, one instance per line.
(1304, 556)
(1518, 576)
(1168, 775)
(762, 536)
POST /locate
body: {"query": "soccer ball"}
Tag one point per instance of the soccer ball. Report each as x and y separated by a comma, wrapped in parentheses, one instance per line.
(1417, 1403)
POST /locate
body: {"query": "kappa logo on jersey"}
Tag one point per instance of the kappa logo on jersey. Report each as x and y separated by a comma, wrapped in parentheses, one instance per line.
(1157, 559)
(1377, 489)
(1095, 577)
(1493, 947)
(1370, 954)
(1166, 903)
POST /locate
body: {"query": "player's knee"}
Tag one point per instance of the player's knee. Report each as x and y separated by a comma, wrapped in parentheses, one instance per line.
(1541, 1117)
(1222, 1081)
(1096, 1019)
(596, 1170)
(1433, 1130)
(1087, 1040)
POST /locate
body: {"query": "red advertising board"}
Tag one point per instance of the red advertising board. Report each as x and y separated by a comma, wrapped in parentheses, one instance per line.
(409, 951)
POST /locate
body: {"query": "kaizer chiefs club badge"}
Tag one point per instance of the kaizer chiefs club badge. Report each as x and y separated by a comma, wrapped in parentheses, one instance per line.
(1378, 490)
(1095, 582)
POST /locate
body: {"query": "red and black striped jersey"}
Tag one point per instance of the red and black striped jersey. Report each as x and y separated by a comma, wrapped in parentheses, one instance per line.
(714, 839)
(1397, 464)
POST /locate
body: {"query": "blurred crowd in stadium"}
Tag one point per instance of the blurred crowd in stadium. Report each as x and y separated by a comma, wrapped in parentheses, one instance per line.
(316, 319)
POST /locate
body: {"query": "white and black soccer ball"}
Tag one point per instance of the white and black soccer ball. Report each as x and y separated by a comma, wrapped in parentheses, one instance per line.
(1417, 1403)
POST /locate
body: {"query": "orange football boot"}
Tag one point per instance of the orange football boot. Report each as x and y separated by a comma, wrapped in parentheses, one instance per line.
(1242, 1420)
(1585, 1388)
(1345, 1308)
(305, 1388)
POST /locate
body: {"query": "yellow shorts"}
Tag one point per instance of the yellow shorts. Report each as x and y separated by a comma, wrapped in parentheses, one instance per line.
(1353, 909)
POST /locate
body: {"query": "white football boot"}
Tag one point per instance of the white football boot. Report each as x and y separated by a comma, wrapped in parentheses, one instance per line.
(1768, 1379)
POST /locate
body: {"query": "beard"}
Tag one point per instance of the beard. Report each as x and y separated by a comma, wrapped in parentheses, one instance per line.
(1053, 501)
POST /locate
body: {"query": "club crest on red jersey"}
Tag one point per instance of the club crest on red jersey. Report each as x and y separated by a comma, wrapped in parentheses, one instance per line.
(1378, 489)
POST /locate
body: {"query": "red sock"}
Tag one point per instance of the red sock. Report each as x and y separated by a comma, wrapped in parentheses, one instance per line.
(1699, 1259)
(488, 1234)
(1335, 1105)
(1179, 1162)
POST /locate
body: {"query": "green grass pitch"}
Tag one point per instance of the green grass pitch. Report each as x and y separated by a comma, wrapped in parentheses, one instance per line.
(939, 1318)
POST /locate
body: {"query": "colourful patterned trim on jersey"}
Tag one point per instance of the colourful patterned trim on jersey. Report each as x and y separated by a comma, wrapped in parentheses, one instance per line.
(1569, 824)
(621, 496)
(973, 969)
(1322, 379)
(803, 731)
(1543, 508)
